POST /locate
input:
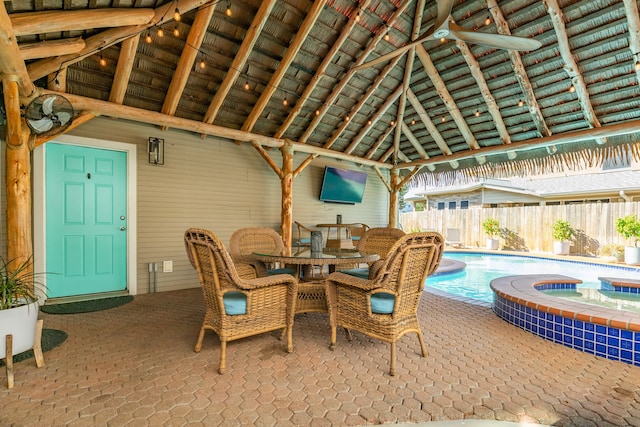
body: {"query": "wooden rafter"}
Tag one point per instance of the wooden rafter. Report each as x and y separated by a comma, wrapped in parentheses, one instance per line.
(49, 48)
(11, 62)
(187, 58)
(414, 141)
(446, 97)
(633, 20)
(426, 120)
(489, 100)
(289, 56)
(109, 37)
(123, 69)
(570, 65)
(320, 72)
(363, 100)
(519, 70)
(390, 152)
(328, 102)
(240, 59)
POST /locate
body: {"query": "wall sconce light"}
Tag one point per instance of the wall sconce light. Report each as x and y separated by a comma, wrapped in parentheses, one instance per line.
(156, 151)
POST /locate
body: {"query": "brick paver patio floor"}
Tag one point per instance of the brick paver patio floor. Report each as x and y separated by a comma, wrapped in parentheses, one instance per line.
(135, 365)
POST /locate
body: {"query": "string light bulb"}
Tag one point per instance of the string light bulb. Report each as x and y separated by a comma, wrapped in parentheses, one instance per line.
(160, 32)
(413, 122)
(246, 86)
(202, 64)
(387, 36)
(477, 113)
(285, 102)
(520, 103)
(487, 21)
(358, 16)
(393, 122)
(228, 12)
(176, 31)
(443, 119)
(148, 38)
(176, 15)
(369, 122)
(317, 112)
(637, 65)
(572, 88)
(103, 62)
(442, 40)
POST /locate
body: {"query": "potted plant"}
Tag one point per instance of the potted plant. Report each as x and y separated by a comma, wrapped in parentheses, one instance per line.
(491, 226)
(562, 233)
(18, 307)
(612, 252)
(629, 227)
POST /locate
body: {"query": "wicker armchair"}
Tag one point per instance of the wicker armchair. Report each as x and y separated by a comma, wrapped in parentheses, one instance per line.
(385, 307)
(377, 240)
(357, 231)
(245, 241)
(302, 235)
(237, 307)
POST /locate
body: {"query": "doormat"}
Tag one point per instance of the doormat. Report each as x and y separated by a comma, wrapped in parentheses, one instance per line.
(51, 338)
(86, 306)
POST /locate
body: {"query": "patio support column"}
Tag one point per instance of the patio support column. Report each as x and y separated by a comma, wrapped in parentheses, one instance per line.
(393, 197)
(18, 177)
(286, 183)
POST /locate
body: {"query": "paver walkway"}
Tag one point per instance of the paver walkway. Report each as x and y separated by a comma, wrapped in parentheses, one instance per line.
(135, 365)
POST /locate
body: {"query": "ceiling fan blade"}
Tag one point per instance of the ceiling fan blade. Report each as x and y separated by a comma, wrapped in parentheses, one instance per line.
(47, 105)
(498, 41)
(63, 118)
(397, 52)
(42, 125)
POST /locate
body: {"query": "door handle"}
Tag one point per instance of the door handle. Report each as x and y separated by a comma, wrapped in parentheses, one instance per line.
(122, 228)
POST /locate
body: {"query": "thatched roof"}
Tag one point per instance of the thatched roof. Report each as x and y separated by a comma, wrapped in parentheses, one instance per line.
(464, 109)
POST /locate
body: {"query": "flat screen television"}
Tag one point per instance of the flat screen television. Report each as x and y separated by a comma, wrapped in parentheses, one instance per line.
(342, 185)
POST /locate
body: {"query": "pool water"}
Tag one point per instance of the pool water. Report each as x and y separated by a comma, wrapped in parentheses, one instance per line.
(601, 298)
(481, 268)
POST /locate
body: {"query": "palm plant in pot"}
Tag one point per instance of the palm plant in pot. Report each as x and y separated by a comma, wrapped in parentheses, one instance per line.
(491, 227)
(562, 233)
(18, 308)
(629, 227)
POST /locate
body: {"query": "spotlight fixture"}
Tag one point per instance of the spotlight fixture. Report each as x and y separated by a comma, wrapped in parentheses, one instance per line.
(176, 15)
(148, 38)
(228, 12)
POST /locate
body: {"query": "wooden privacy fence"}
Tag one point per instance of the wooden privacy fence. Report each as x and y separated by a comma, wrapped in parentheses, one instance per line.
(529, 228)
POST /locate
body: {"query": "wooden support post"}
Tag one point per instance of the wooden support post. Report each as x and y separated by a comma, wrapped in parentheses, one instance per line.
(9, 360)
(393, 198)
(18, 177)
(286, 182)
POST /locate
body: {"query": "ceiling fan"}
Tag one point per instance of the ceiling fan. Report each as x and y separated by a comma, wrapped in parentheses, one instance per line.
(444, 27)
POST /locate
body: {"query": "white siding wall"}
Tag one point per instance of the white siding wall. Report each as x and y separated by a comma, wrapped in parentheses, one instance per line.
(216, 184)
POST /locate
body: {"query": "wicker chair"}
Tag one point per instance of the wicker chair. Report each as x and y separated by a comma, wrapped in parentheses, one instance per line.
(237, 307)
(386, 306)
(302, 235)
(245, 241)
(377, 240)
(357, 231)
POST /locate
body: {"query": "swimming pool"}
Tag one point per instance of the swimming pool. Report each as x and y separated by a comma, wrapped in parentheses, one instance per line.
(481, 268)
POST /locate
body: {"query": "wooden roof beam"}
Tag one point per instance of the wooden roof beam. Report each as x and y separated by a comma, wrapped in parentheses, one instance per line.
(414, 141)
(240, 59)
(428, 123)
(187, 59)
(633, 20)
(363, 100)
(570, 65)
(292, 51)
(328, 102)
(446, 97)
(11, 62)
(110, 37)
(28, 23)
(489, 100)
(390, 152)
(121, 76)
(320, 72)
(49, 48)
(519, 70)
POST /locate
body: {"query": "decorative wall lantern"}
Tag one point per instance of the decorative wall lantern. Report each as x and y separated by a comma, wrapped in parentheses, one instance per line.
(156, 151)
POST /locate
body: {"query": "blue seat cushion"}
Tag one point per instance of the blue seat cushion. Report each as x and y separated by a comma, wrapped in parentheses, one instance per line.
(382, 303)
(305, 241)
(362, 273)
(275, 271)
(235, 303)
(355, 237)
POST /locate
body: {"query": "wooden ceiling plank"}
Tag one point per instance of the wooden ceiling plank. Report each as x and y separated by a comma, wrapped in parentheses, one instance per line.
(379, 142)
(633, 20)
(187, 58)
(328, 102)
(110, 37)
(519, 70)
(11, 62)
(49, 48)
(446, 97)
(109, 109)
(376, 117)
(570, 65)
(320, 71)
(240, 59)
(489, 100)
(126, 59)
(414, 141)
(363, 100)
(309, 20)
(28, 23)
(426, 120)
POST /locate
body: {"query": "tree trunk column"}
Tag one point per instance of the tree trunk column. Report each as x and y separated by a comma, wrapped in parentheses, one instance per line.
(286, 183)
(18, 178)
(393, 198)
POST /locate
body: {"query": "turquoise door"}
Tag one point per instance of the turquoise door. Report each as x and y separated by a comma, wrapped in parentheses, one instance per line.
(86, 207)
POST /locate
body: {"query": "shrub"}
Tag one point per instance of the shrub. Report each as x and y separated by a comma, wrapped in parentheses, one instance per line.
(629, 227)
(562, 230)
(491, 226)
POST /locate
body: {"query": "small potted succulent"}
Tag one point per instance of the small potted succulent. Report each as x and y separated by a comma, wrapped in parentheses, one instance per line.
(491, 227)
(562, 233)
(629, 227)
